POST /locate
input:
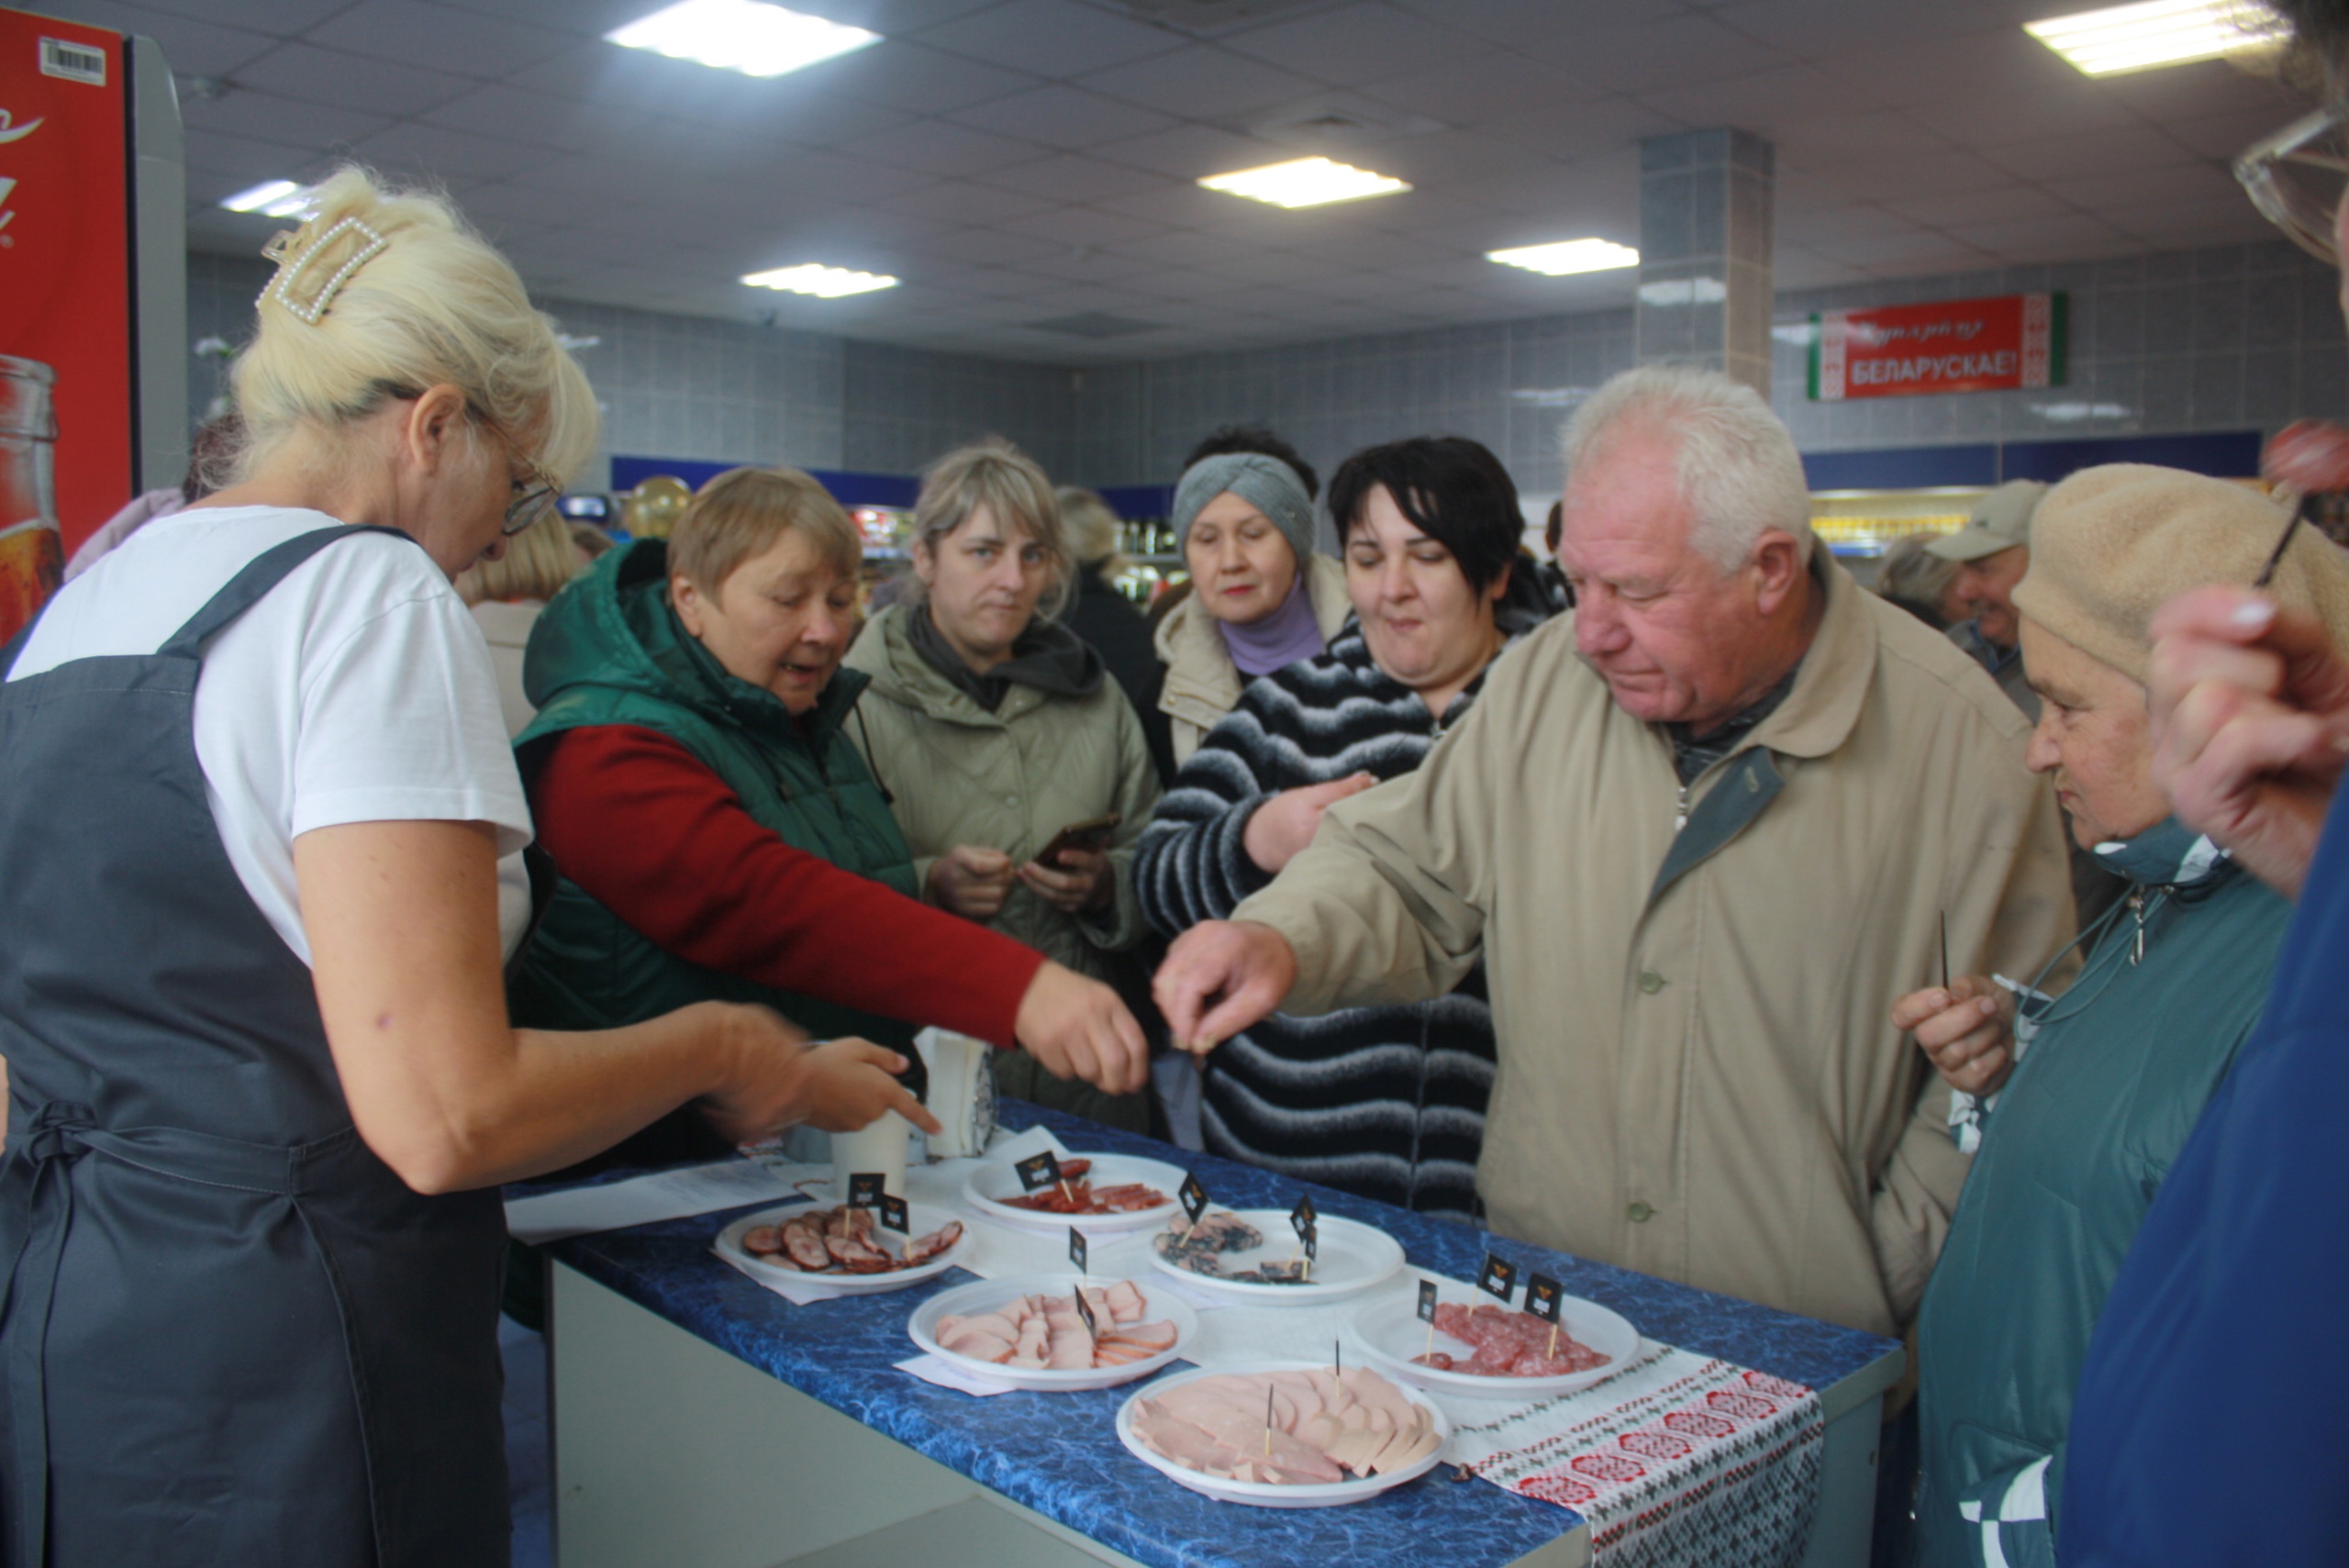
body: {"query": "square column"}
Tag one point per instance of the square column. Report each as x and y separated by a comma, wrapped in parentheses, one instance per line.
(1705, 242)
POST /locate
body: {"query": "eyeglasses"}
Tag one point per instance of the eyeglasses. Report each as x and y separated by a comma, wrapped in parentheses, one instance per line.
(2297, 178)
(535, 496)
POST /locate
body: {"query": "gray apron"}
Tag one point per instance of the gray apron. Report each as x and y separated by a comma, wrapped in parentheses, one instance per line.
(231, 1335)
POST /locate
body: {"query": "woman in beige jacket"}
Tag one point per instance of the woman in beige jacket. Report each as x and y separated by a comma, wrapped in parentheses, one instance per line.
(991, 726)
(1260, 598)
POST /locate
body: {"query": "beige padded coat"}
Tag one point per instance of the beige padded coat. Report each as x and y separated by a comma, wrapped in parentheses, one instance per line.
(1697, 1076)
(1009, 779)
(1202, 683)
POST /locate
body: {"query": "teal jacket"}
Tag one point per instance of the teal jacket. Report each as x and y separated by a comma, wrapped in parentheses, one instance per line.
(2076, 1145)
(608, 650)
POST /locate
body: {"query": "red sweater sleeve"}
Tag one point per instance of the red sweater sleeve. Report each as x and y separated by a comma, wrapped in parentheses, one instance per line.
(656, 838)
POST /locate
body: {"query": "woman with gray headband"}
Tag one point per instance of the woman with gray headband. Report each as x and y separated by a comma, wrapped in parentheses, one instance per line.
(1260, 598)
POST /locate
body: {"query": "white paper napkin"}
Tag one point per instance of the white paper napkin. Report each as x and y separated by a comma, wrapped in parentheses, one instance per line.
(946, 1374)
(665, 1194)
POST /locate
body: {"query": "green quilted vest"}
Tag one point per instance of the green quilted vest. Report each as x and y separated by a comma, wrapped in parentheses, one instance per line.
(608, 650)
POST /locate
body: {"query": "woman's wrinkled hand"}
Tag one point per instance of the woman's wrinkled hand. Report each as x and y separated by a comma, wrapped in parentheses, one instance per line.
(1965, 1029)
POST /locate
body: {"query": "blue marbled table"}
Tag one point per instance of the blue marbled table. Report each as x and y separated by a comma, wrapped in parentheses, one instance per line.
(1055, 1455)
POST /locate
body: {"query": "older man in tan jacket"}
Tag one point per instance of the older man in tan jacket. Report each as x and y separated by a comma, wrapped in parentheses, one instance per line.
(1703, 832)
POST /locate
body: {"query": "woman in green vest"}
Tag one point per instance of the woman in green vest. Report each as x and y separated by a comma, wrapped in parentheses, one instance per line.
(717, 835)
(995, 727)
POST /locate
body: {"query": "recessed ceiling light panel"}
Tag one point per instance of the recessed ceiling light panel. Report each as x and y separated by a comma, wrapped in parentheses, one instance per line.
(1565, 256)
(740, 35)
(1304, 181)
(825, 283)
(274, 198)
(2161, 32)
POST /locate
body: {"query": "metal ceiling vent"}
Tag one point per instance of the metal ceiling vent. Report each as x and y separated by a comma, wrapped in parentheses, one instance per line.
(1213, 15)
(1096, 323)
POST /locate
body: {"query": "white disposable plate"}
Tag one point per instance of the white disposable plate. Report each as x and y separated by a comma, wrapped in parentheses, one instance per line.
(1350, 1258)
(1266, 1494)
(986, 1296)
(924, 1218)
(1391, 1333)
(986, 1187)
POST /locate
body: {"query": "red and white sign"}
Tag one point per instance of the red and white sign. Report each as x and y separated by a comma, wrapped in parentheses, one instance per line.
(1962, 345)
(67, 414)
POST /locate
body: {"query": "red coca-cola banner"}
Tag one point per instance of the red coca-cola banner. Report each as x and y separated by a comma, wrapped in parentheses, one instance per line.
(67, 421)
(1959, 345)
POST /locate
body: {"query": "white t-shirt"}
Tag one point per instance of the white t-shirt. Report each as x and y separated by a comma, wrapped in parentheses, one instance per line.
(359, 690)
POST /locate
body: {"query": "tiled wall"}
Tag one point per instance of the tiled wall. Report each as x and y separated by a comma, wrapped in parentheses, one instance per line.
(726, 392)
(2242, 337)
(2235, 337)
(2229, 338)
(906, 406)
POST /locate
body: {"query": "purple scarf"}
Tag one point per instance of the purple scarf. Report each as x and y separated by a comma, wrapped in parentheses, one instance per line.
(1288, 634)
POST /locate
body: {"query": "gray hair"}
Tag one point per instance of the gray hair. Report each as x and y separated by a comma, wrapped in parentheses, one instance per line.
(1737, 466)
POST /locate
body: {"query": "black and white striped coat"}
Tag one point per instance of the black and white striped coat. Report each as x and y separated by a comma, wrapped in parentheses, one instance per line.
(1384, 1101)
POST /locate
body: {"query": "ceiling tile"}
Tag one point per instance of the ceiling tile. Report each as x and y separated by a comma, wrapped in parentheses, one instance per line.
(911, 76)
(1051, 37)
(2124, 151)
(436, 152)
(2005, 204)
(283, 18)
(2042, 239)
(957, 202)
(1191, 151)
(1060, 116)
(264, 117)
(941, 148)
(418, 33)
(1668, 51)
(315, 75)
(1070, 178)
(1202, 82)
(1080, 225)
(193, 45)
(1351, 45)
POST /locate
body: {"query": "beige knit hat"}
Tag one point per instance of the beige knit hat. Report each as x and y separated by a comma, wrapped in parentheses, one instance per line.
(2110, 545)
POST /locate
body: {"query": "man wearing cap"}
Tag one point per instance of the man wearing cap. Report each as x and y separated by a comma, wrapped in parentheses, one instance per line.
(1992, 552)
(2119, 1067)
(1703, 831)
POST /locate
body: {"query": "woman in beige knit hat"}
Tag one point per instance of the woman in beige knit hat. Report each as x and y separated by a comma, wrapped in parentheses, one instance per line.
(2120, 1066)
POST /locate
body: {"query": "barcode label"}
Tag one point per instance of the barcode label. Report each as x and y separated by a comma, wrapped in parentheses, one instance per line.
(74, 62)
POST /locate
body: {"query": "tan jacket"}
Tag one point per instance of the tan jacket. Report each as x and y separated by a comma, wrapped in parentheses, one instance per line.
(1698, 1077)
(1202, 684)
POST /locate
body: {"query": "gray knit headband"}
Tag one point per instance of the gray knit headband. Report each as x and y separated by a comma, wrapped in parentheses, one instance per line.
(1265, 483)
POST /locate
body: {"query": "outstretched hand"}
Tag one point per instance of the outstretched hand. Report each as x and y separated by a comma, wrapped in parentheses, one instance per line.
(1219, 977)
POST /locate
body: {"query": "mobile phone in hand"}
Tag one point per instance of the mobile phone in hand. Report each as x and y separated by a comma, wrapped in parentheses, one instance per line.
(1089, 837)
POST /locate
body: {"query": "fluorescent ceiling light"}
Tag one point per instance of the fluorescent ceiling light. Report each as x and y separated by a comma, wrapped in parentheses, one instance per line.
(740, 35)
(1304, 181)
(825, 283)
(2163, 32)
(276, 198)
(1564, 256)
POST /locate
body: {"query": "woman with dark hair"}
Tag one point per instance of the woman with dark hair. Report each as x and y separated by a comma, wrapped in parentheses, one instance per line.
(1384, 1101)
